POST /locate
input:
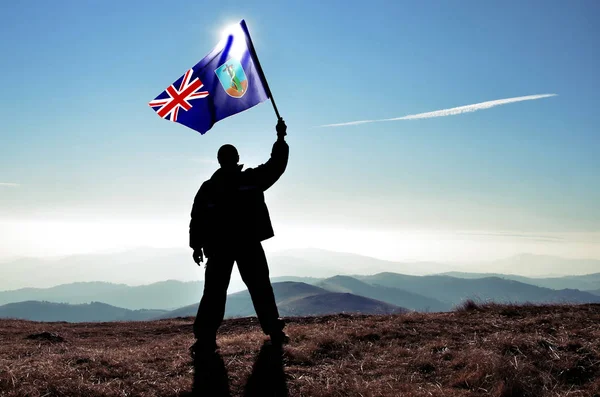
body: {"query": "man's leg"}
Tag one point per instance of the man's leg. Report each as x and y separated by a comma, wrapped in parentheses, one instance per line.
(212, 306)
(254, 270)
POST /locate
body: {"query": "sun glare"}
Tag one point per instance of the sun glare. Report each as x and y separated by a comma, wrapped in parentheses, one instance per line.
(228, 29)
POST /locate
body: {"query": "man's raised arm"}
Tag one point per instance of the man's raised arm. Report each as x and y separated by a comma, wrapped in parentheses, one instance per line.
(267, 174)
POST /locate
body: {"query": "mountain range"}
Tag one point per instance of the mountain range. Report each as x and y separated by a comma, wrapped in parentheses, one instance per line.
(375, 294)
(314, 289)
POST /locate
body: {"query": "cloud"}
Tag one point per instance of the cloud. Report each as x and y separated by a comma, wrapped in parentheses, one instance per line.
(9, 184)
(449, 112)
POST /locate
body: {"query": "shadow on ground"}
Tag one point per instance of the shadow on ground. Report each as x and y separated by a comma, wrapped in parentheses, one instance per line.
(267, 377)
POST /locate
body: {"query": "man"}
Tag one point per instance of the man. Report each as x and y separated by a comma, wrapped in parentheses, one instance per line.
(229, 221)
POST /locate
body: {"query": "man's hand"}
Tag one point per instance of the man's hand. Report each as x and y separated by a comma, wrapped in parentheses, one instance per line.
(281, 129)
(198, 256)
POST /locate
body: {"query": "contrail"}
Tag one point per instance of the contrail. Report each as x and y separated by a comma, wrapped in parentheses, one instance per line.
(8, 184)
(449, 112)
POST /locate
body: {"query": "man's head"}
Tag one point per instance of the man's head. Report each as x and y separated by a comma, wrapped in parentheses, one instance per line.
(228, 156)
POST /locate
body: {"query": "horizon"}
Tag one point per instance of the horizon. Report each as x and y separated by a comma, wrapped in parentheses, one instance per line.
(453, 139)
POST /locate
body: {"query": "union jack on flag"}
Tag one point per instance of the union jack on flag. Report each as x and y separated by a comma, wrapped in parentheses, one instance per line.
(225, 82)
(169, 107)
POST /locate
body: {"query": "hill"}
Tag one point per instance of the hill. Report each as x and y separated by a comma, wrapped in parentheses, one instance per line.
(490, 350)
(394, 296)
(454, 290)
(88, 312)
(336, 302)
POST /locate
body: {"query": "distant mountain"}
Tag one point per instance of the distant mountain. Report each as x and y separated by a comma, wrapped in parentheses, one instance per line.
(454, 290)
(162, 295)
(393, 296)
(583, 282)
(297, 299)
(336, 302)
(91, 312)
(595, 292)
(289, 291)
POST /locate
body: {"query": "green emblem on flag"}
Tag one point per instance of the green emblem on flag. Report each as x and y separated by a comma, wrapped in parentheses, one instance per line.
(232, 78)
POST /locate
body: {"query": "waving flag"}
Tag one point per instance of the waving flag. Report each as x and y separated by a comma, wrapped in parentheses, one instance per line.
(227, 81)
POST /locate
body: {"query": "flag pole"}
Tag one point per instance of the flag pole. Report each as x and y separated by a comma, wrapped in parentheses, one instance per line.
(259, 68)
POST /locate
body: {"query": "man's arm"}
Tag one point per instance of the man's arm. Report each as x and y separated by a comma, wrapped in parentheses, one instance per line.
(267, 174)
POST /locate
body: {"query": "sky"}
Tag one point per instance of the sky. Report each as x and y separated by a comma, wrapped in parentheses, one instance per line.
(86, 165)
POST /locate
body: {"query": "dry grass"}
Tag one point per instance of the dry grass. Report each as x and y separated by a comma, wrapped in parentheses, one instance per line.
(478, 350)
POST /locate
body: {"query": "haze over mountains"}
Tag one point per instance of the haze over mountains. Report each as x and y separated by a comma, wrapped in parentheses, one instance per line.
(133, 267)
(149, 265)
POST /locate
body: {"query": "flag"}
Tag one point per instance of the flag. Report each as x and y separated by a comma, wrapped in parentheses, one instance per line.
(225, 82)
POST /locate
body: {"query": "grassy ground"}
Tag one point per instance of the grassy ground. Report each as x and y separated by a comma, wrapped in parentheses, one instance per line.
(488, 350)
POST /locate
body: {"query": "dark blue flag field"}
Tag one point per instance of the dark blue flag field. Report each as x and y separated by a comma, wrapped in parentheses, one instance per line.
(227, 81)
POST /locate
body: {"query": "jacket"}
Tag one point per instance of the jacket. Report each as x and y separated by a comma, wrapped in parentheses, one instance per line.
(230, 207)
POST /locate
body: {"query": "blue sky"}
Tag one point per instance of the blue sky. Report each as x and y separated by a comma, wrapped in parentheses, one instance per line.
(81, 148)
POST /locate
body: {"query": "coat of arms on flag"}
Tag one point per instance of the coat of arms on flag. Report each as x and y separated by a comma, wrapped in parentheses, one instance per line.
(216, 87)
(232, 77)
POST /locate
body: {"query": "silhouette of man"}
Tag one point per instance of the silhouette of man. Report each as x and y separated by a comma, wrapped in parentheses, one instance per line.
(229, 221)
